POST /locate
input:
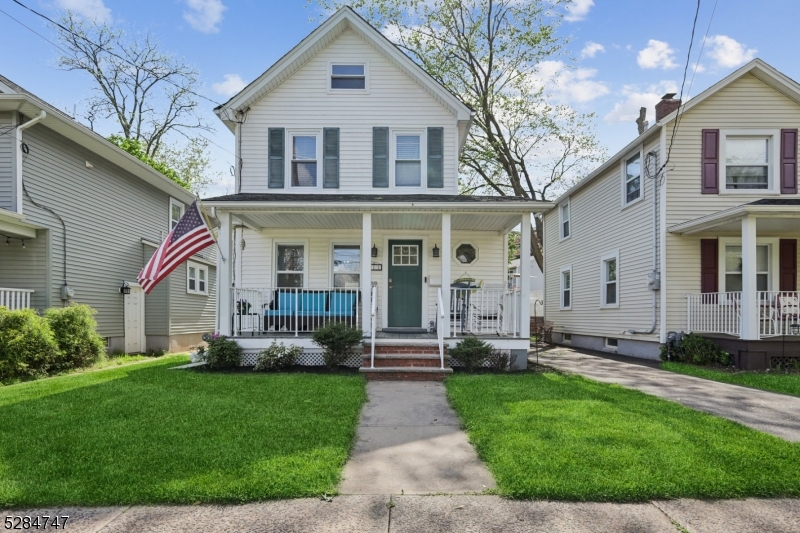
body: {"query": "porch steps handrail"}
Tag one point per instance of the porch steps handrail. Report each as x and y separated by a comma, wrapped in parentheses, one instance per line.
(484, 311)
(440, 329)
(15, 299)
(372, 325)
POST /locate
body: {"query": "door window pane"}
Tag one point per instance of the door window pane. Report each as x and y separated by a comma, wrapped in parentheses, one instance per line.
(346, 266)
(405, 255)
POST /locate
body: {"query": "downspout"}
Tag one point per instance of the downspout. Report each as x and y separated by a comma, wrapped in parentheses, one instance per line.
(18, 159)
(655, 276)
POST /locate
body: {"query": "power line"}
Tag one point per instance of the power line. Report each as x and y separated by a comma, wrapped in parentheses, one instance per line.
(702, 46)
(32, 30)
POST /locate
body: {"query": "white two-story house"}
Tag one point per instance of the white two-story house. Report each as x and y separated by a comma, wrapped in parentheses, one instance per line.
(692, 227)
(347, 208)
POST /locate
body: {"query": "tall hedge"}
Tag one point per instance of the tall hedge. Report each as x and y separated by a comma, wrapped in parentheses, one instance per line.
(27, 345)
(75, 332)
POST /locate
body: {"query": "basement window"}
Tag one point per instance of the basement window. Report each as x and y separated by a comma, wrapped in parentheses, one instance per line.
(567, 338)
(611, 344)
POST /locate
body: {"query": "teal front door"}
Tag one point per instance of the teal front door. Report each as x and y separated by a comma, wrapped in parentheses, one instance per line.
(405, 284)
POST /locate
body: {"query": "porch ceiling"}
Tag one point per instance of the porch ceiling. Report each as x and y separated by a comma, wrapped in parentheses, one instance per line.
(499, 222)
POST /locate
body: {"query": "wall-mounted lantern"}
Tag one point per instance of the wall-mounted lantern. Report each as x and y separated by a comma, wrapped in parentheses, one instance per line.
(374, 251)
(125, 288)
(435, 250)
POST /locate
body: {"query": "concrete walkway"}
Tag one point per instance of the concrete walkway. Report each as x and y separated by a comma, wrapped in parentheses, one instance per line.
(437, 514)
(410, 442)
(770, 412)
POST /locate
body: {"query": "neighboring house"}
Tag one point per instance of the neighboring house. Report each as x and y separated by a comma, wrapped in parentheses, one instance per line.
(79, 218)
(705, 242)
(537, 284)
(347, 197)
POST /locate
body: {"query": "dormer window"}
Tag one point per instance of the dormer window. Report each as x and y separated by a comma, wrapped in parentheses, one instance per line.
(349, 77)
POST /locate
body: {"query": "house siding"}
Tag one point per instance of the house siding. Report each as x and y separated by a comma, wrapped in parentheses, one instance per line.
(302, 101)
(599, 226)
(191, 313)
(26, 268)
(6, 162)
(745, 103)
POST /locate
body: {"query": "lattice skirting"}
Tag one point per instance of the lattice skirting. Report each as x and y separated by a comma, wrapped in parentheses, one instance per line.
(454, 363)
(786, 363)
(306, 359)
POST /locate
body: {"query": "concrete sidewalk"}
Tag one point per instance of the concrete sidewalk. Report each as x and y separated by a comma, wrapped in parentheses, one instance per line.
(770, 412)
(438, 514)
(410, 441)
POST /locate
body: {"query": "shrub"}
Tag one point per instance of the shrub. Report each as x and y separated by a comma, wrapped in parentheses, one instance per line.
(696, 350)
(277, 357)
(222, 353)
(27, 345)
(75, 332)
(471, 352)
(339, 342)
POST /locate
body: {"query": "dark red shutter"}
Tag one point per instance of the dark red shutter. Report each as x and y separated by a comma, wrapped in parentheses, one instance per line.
(709, 261)
(788, 161)
(710, 168)
(788, 279)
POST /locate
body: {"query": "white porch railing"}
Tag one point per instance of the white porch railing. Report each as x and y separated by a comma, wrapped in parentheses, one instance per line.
(14, 299)
(779, 311)
(373, 323)
(715, 312)
(440, 318)
(484, 312)
(293, 310)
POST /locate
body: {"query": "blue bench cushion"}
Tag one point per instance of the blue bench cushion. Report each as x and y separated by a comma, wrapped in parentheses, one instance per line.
(342, 304)
(313, 303)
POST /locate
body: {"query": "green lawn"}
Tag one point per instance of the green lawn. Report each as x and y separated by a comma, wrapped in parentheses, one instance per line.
(568, 438)
(772, 381)
(144, 434)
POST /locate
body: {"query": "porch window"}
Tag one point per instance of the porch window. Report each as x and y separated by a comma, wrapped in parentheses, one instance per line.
(610, 280)
(290, 265)
(408, 165)
(733, 268)
(351, 77)
(346, 265)
(196, 278)
(747, 162)
(633, 178)
(304, 161)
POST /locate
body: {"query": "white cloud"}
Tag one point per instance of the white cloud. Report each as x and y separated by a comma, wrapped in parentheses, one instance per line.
(591, 49)
(728, 52)
(204, 15)
(628, 110)
(232, 84)
(570, 85)
(578, 9)
(90, 9)
(658, 54)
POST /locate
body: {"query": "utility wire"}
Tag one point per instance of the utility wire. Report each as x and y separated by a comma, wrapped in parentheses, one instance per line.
(702, 47)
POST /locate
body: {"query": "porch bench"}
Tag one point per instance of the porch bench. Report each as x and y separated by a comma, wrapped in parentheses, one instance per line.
(310, 305)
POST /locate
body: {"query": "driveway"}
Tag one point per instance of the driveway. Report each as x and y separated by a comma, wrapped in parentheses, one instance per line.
(770, 412)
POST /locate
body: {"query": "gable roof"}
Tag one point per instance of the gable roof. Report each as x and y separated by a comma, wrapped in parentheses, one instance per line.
(757, 67)
(15, 98)
(345, 18)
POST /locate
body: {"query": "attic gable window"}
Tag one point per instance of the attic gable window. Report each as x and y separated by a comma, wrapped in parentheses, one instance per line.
(348, 77)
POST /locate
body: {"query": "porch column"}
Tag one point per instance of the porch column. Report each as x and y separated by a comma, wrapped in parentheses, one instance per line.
(366, 272)
(525, 277)
(224, 307)
(447, 253)
(749, 285)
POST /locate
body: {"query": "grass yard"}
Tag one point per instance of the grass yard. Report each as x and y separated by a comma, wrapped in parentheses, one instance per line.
(772, 381)
(561, 437)
(146, 434)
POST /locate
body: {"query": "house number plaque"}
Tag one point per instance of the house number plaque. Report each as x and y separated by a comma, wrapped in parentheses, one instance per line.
(377, 267)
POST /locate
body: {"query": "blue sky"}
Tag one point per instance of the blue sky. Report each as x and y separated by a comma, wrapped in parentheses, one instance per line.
(627, 52)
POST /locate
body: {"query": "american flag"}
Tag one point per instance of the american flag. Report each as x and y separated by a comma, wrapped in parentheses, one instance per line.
(189, 236)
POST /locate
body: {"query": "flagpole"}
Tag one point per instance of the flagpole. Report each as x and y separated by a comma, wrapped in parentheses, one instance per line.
(210, 227)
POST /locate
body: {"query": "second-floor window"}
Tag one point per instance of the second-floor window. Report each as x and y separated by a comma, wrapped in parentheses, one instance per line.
(304, 160)
(408, 165)
(176, 209)
(563, 213)
(747, 162)
(633, 178)
(349, 77)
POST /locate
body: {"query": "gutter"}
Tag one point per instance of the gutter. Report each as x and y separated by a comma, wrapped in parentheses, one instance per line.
(18, 158)
(451, 207)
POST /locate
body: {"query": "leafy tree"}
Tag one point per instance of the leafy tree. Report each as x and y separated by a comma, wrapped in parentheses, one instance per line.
(489, 53)
(135, 148)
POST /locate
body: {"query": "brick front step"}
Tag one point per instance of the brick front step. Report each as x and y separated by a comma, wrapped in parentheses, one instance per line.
(415, 360)
(405, 374)
(405, 349)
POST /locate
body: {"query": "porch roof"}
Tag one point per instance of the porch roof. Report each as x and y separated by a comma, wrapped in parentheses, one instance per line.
(772, 215)
(408, 211)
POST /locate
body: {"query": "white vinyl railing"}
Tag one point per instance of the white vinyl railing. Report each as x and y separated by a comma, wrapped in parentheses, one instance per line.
(715, 312)
(440, 331)
(481, 311)
(779, 313)
(292, 310)
(14, 299)
(373, 323)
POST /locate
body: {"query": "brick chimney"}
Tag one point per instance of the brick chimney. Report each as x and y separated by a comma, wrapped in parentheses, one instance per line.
(667, 105)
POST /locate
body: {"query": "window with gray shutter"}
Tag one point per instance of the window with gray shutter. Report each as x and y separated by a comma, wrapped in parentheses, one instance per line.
(330, 149)
(276, 157)
(380, 157)
(436, 158)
